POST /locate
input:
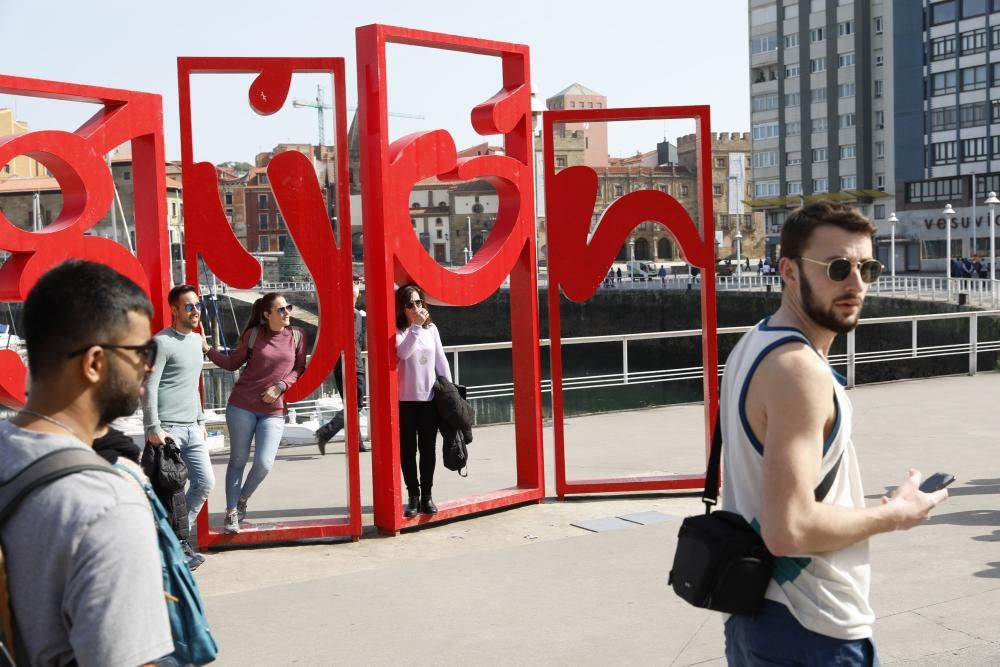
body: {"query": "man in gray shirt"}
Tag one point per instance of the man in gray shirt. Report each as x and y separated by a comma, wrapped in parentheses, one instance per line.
(172, 404)
(82, 559)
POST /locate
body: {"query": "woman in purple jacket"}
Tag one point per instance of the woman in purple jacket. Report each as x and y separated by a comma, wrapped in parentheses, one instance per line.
(256, 409)
(421, 360)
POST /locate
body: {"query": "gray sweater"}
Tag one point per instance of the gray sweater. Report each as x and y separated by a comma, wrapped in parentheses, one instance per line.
(172, 387)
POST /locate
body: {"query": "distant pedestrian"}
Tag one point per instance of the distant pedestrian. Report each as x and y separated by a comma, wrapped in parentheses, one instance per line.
(610, 280)
(746, 263)
(420, 360)
(275, 357)
(618, 274)
(760, 266)
(82, 561)
(663, 276)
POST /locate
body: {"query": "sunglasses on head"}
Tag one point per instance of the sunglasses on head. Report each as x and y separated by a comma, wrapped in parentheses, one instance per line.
(840, 268)
(146, 350)
(414, 304)
(191, 307)
(284, 310)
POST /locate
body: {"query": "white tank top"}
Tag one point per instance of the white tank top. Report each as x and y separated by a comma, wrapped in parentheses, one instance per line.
(826, 592)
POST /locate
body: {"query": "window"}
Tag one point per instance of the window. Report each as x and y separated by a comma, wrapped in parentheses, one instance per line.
(940, 190)
(619, 190)
(821, 185)
(816, 35)
(973, 115)
(880, 182)
(944, 83)
(845, 28)
(845, 90)
(846, 120)
(717, 190)
(880, 211)
(261, 201)
(793, 158)
(262, 219)
(877, 23)
(791, 99)
(791, 41)
(764, 159)
(879, 58)
(126, 175)
(264, 244)
(819, 154)
(817, 95)
(767, 189)
(684, 191)
(173, 209)
(974, 78)
(986, 184)
(765, 130)
(879, 150)
(763, 15)
(995, 104)
(229, 199)
(879, 120)
(819, 125)
(720, 163)
(848, 182)
(817, 65)
(762, 44)
(974, 149)
(973, 41)
(845, 59)
(943, 12)
(943, 47)
(764, 102)
(944, 152)
(793, 129)
(560, 161)
(996, 74)
(877, 88)
(944, 119)
(973, 8)
(791, 71)
(794, 187)
(282, 240)
(572, 105)
(440, 234)
(848, 151)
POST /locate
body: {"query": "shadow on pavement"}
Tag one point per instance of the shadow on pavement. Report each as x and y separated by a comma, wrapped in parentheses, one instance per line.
(974, 487)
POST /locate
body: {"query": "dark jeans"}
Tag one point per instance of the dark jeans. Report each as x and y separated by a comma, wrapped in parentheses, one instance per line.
(774, 637)
(418, 425)
(338, 420)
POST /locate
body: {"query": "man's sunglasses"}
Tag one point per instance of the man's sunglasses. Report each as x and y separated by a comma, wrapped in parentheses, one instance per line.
(147, 350)
(191, 307)
(414, 304)
(285, 310)
(839, 269)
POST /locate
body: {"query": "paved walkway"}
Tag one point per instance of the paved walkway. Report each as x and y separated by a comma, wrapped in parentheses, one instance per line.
(524, 586)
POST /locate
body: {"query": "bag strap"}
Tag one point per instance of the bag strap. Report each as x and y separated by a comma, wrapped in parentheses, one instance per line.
(711, 494)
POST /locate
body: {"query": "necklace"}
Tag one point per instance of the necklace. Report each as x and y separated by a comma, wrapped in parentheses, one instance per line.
(51, 421)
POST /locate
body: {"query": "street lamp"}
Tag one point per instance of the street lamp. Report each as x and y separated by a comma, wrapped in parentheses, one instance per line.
(948, 214)
(739, 260)
(892, 248)
(992, 201)
(631, 256)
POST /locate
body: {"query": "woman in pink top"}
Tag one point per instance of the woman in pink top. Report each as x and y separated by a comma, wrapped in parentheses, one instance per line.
(420, 360)
(256, 409)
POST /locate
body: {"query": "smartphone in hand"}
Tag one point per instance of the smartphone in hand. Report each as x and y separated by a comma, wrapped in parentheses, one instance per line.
(936, 482)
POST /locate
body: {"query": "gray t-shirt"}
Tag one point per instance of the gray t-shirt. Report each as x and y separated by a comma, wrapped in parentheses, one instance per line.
(83, 564)
(172, 386)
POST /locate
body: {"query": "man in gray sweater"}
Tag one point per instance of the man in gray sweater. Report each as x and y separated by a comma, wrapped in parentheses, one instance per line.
(172, 403)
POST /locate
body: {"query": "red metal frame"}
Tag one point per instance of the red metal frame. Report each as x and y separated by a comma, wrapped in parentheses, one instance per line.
(297, 191)
(577, 266)
(393, 253)
(76, 160)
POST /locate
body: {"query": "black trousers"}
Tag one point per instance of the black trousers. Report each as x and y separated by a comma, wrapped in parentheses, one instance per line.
(418, 425)
(338, 419)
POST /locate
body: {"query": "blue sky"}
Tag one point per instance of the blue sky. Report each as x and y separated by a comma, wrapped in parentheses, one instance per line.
(637, 54)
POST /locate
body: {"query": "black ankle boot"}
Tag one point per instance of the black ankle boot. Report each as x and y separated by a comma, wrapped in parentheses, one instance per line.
(326, 432)
(427, 505)
(412, 507)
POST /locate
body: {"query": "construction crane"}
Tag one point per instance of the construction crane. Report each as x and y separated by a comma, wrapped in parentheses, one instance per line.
(321, 106)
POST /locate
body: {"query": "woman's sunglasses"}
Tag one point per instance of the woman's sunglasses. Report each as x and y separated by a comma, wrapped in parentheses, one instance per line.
(839, 269)
(285, 310)
(414, 304)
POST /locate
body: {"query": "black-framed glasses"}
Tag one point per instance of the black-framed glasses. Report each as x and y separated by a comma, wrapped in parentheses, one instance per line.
(414, 304)
(191, 307)
(146, 350)
(285, 310)
(840, 268)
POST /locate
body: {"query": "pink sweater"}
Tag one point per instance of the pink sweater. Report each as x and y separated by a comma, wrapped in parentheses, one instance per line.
(274, 361)
(420, 359)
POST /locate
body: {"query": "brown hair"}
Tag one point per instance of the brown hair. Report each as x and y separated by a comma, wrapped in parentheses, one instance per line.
(402, 298)
(801, 222)
(261, 307)
(175, 294)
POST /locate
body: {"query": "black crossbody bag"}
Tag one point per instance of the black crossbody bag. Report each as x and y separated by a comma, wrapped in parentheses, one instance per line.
(721, 562)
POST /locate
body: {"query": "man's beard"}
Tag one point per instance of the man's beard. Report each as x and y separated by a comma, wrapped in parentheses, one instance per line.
(115, 399)
(825, 318)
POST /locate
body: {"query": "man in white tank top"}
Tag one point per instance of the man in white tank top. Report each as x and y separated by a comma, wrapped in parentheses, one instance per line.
(786, 425)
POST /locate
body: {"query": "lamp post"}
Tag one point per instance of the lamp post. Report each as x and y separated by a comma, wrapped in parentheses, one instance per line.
(739, 260)
(948, 214)
(469, 250)
(631, 257)
(892, 249)
(992, 201)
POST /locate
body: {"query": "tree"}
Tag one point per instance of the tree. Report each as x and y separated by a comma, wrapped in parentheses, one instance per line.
(238, 167)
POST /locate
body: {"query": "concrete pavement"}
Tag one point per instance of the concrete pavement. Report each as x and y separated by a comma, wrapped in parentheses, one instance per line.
(524, 586)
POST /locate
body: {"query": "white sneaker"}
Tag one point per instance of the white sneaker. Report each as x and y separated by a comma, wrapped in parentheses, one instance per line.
(232, 522)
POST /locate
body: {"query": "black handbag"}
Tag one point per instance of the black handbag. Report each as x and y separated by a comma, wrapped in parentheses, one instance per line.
(721, 562)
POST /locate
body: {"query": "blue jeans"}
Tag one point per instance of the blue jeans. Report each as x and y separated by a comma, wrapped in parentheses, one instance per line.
(774, 637)
(201, 477)
(265, 431)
